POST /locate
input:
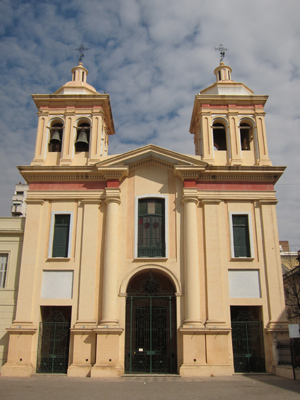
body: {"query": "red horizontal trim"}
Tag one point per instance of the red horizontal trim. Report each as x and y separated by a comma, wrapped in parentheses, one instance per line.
(245, 186)
(67, 185)
(189, 183)
(113, 183)
(249, 106)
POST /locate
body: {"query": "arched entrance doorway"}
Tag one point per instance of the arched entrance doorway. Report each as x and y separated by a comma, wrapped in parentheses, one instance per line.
(150, 341)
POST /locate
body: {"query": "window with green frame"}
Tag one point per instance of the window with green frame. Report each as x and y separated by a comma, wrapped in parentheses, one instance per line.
(151, 228)
(241, 239)
(60, 247)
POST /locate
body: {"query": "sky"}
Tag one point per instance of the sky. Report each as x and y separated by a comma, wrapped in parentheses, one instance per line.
(152, 57)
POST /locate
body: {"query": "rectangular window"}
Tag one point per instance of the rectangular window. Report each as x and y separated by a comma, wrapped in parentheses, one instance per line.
(61, 234)
(151, 227)
(3, 269)
(240, 235)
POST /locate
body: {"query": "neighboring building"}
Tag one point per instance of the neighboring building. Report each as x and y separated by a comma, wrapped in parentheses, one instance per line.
(149, 261)
(288, 258)
(291, 279)
(18, 208)
(11, 240)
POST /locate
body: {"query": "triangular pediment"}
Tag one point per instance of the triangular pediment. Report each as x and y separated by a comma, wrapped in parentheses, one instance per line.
(151, 154)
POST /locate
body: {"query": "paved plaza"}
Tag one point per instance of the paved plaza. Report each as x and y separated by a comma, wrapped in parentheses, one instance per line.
(241, 387)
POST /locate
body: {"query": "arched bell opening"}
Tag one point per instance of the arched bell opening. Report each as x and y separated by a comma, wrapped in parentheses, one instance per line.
(56, 132)
(83, 137)
(219, 136)
(150, 336)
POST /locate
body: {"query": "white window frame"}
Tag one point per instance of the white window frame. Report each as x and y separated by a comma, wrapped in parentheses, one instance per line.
(136, 210)
(3, 268)
(50, 247)
(250, 231)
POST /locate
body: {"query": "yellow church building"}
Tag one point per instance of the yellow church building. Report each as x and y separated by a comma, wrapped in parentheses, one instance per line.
(150, 261)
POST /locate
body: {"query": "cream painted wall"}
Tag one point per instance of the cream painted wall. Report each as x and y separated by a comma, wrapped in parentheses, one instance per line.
(11, 241)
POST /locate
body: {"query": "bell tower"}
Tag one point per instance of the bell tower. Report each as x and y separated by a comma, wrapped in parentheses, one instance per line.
(74, 124)
(228, 123)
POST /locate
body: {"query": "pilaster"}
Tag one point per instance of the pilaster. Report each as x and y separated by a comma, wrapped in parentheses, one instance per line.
(207, 137)
(234, 146)
(42, 139)
(89, 262)
(274, 282)
(214, 261)
(263, 155)
(68, 139)
(96, 140)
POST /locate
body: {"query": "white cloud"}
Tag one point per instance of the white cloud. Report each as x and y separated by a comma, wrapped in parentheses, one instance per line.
(152, 57)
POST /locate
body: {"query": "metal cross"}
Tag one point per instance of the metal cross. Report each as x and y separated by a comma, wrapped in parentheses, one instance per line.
(81, 49)
(222, 50)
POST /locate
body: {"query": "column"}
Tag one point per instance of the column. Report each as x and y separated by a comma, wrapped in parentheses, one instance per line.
(191, 258)
(108, 363)
(111, 261)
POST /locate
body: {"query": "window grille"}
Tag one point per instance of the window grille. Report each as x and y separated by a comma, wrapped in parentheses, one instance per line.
(151, 228)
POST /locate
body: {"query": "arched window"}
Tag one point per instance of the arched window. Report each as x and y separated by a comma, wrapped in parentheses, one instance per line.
(56, 131)
(246, 136)
(219, 136)
(83, 137)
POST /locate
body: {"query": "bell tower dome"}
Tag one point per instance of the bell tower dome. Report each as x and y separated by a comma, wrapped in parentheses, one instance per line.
(74, 123)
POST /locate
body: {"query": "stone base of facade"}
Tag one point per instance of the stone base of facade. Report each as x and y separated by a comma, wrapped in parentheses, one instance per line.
(79, 370)
(105, 371)
(191, 370)
(17, 370)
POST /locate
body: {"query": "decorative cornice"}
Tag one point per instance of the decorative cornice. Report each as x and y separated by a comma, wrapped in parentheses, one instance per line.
(225, 174)
(219, 195)
(72, 174)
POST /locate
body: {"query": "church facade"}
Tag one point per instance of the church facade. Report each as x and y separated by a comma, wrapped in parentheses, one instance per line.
(150, 261)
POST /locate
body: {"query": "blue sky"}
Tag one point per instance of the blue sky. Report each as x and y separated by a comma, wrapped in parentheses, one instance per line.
(152, 57)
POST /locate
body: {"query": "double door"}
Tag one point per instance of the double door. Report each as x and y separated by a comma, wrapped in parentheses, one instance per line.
(150, 335)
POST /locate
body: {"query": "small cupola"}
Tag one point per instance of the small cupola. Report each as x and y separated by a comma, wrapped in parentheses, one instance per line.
(79, 73)
(78, 84)
(223, 73)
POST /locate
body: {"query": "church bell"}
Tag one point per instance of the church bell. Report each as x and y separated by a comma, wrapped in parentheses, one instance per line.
(55, 138)
(82, 137)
